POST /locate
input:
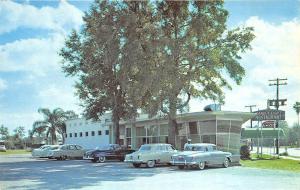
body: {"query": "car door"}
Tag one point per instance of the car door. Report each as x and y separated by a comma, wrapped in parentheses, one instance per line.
(72, 151)
(215, 156)
(79, 151)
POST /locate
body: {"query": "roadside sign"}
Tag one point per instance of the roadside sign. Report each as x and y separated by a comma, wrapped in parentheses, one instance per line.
(268, 124)
(269, 114)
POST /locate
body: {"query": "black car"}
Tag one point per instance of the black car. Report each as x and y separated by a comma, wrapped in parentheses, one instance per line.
(107, 152)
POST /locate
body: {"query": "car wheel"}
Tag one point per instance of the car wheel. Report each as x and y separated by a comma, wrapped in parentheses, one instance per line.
(201, 165)
(181, 167)
(101, 159)
(226, 163)
(136, 165)
(150, 163)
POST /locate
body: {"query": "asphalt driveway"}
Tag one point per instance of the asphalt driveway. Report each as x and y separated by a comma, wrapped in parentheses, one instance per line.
(22, 172)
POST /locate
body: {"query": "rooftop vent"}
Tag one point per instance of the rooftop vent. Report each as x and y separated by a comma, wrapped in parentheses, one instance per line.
(213, 107)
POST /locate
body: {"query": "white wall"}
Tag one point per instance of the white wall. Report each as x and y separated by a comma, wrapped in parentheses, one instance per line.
(81, 125)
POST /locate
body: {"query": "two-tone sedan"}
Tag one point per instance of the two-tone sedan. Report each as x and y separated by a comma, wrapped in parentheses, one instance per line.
(107, 152)
(67, 151)
(151, 155)
(42, 152)
(201, 155)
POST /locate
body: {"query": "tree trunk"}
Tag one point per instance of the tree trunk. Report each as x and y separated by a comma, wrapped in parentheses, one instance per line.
(172, 123)
(116, 128)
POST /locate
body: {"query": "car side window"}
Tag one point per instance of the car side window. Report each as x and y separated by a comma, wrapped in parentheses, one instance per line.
(78, 147)
(72, 147)
(170, 148)
(63, 148)
(206, 149)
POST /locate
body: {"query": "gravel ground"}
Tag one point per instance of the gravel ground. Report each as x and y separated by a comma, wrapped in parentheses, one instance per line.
(23, 172)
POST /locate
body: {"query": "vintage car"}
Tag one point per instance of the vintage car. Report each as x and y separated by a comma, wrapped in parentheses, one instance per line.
(201, 155)
(151, 154)
(107, 152)
(42, 152)
(67, 151)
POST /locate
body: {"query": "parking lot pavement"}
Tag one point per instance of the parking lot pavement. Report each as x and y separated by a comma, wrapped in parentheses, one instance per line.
(81, 174)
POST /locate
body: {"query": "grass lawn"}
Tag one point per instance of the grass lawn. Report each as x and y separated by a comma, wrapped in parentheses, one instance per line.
(269, 162)
(15, 152)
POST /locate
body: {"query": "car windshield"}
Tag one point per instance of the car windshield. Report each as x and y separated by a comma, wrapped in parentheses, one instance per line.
(194, 148)
(54, 148)
(146, 148)
(105, 147)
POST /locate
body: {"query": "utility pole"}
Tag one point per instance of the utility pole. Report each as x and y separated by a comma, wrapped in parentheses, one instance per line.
(251, 106)
(277, 82)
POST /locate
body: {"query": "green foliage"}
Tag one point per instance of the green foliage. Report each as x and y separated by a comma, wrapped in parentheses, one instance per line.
(4, 132)
(54, 122)
(153, 56)
(245, 152)
(273, 164)
(296, 107)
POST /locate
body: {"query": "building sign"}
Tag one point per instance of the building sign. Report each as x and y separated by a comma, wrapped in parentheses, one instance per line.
(269, 114)
(268, 124)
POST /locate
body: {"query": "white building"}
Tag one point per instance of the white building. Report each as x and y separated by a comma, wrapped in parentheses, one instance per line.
(87, 133)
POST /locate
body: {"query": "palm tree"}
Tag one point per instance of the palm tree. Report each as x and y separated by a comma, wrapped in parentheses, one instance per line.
(53, 123)
(297, 109)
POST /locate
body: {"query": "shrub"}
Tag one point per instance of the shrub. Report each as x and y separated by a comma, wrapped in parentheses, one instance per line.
(245, 152)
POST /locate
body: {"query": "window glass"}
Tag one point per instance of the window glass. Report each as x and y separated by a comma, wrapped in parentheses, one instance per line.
(140, 131)
(193, 127)
(99, 132)
(72, 147)
(80, 134)
(75, 134)
(86, 134)
(93, 133)
(70, 135)
(106, 132)
(78, 147)
(145, 148)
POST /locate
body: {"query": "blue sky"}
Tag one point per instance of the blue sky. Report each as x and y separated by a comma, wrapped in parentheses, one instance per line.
(32, 32)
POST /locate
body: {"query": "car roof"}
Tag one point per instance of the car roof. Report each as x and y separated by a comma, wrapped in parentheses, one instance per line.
(156, 144)
(201, 144)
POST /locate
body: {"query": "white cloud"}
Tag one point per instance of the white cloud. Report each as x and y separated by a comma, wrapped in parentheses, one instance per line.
(34, 55)
(54, 96)
(275, 54)
(16, 15)
(3, 85)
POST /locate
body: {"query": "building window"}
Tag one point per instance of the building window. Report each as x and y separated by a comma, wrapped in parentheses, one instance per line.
(106, 132)
(193, 127)
(86, 134)
(93, 133)
(75, 134)
(70, 135)
(99, 132)
(80, 134)
(66, 135)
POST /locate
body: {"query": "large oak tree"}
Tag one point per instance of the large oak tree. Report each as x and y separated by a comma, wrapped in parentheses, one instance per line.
(154, 56)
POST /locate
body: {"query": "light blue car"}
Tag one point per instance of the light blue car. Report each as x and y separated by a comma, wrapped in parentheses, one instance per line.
(201, 155)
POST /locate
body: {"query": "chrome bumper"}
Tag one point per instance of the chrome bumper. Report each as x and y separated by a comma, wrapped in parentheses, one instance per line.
(182, 163)
(88, 158)
(134, 161)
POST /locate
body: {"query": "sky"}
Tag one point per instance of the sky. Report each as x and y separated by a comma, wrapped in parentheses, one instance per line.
(32, 33)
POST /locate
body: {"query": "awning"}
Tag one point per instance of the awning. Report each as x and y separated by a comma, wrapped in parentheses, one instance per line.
(253, 133)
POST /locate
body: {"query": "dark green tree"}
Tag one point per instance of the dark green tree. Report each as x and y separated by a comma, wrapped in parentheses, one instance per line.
(106, 56)
(296, 107)
(53, 123)
(4, 132)
(154, 56)
(196, 52)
